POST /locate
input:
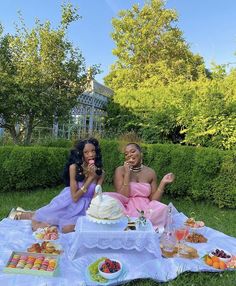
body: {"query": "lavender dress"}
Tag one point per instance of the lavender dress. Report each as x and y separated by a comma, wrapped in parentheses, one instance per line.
(62, 210)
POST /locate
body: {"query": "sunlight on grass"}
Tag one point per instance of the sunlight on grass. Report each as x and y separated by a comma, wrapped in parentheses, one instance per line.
(220, 219)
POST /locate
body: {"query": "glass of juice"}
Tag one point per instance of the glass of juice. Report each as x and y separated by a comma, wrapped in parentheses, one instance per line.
(181, 233)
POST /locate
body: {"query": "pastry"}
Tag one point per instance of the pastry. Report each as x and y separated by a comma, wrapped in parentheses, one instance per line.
(196, 238)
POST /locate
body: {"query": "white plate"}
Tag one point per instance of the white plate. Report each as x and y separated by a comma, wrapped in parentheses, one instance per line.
(200, 230)
(57, 247)
(223, 259)
(104, 221)
(42, 231)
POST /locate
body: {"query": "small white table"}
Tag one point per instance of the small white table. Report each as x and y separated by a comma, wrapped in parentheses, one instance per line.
(103, 236)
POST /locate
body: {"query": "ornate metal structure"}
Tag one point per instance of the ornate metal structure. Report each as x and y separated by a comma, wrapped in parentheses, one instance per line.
(88, 116)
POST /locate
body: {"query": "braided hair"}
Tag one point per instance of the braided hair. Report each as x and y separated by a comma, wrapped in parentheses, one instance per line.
(76, 157)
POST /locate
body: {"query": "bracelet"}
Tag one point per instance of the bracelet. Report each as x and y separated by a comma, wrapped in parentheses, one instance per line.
(83, 189)
(125, 184)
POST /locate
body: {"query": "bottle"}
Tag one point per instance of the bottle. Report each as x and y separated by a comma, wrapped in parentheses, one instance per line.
(167, 239)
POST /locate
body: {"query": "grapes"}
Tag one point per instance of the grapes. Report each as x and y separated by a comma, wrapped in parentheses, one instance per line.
(220, 253)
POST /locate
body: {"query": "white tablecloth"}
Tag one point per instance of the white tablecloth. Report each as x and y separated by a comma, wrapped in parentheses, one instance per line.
(112, 236)
(17, 235)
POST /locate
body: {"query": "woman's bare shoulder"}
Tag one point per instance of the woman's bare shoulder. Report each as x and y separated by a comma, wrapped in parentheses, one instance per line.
(150, 170)
(72, 167)
(119, 169)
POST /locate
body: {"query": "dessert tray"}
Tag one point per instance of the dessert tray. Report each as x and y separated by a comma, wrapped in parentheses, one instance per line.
(45, 234)
(41, 264)
(105, 221)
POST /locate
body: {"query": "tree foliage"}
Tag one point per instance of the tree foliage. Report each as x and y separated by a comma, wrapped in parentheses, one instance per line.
(41, 75)
(209, 114)
(171, 96)
(200, 113)
(150, 49)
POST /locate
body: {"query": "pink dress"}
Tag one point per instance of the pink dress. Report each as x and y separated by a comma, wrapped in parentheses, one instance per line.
(155, 211)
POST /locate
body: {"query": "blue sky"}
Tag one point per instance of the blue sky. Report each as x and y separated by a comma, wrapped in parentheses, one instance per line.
(209, 26)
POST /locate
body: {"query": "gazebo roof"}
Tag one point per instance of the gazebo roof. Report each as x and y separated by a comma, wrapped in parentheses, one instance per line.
(99, 88)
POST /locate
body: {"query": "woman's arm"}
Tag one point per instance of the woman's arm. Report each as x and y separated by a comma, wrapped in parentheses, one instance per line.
(98, 188)
(122, 180)
(158, 192)
(101, 178)
(75, 192)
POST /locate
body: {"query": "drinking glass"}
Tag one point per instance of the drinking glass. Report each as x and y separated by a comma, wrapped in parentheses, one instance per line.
(181, 233)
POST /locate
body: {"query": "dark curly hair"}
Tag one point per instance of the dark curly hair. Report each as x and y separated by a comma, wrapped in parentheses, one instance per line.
(76, 157)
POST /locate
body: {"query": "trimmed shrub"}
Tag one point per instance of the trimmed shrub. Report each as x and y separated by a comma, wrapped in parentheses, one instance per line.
(112, 157)
(182, 165)
(201, 173)
(26, 168)
(224, 185)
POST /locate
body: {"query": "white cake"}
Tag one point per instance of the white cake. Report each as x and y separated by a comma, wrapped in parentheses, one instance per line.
(105, 208)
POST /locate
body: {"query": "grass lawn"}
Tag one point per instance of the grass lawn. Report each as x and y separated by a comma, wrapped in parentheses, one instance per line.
(223, 220)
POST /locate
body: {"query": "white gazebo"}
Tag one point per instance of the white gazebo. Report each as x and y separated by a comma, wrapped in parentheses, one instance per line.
(89, 114)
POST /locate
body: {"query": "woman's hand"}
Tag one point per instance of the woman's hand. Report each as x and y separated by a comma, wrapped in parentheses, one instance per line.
(127, 167)
(92, 171)
(168, 178)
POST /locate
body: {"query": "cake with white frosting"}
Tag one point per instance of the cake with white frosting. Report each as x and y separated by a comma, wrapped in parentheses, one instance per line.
(105, 208)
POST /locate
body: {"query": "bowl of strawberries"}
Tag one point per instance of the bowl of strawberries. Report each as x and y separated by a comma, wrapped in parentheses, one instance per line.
(110, 268)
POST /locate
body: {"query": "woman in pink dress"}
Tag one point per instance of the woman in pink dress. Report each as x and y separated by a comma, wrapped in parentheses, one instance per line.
(137, 189)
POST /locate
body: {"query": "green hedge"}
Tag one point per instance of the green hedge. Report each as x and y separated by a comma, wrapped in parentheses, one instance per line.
(201, 173)
(25, 168)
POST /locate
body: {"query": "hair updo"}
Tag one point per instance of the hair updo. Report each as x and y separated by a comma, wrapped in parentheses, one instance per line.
(136, 146)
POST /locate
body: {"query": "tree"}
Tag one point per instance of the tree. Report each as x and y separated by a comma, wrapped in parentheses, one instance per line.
(208, 113)
(150, 48)
(41, 75)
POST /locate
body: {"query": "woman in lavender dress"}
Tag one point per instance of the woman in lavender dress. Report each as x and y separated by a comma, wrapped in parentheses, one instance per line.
(83, 172)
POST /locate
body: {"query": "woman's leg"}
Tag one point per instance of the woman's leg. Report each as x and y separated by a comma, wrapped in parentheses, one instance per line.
(68, 228)
(24, 215)
(38, 224)
(18, 214)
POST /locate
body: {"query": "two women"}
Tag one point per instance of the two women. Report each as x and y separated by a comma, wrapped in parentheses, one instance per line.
(135, 185)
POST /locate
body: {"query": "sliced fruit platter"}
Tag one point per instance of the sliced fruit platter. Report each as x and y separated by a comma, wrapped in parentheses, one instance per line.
(220, 259)
(94, 273)
(104, 269)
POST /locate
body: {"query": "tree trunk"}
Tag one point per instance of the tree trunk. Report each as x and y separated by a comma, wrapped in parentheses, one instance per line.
(14, 135)
(28, 130)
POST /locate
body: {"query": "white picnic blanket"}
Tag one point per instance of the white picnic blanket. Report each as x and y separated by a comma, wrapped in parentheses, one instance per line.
(17, 236)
